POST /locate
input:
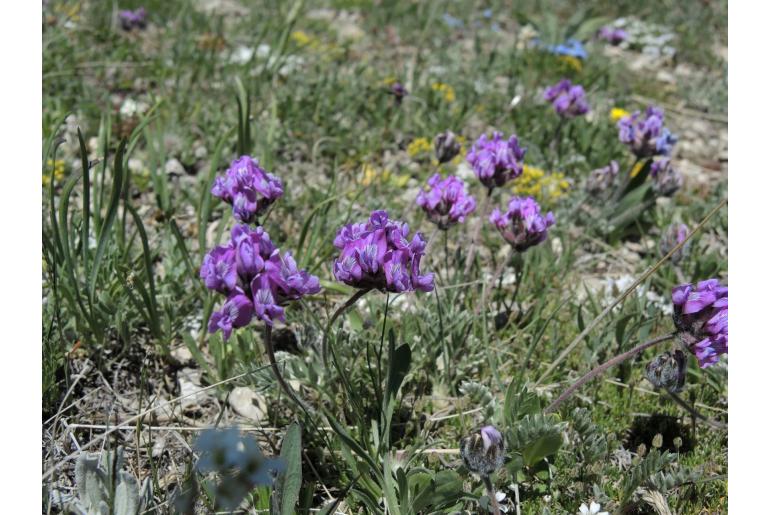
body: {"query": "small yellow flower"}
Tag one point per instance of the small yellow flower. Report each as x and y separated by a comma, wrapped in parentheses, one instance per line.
(301, 38)
(637, 168)
(445, 90)
(58, 171)
(419, 146)
(617, 113)
(535, 182)
(572, 62)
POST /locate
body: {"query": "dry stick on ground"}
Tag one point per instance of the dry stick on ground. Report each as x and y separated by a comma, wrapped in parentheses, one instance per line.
(604, 366)
(590, 327)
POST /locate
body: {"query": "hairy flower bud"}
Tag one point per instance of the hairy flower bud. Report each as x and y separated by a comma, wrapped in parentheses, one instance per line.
(665, 179)
(668, 371)
(673, 236)
(483, 452)
(601, 179)
(446, 146)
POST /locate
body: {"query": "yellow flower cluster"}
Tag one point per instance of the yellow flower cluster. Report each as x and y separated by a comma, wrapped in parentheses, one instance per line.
(572, 62)
(617, 113)
(372, 175)
(536, 183)
(419, 146)
(58, 171)
(304, 40)
(445, 90)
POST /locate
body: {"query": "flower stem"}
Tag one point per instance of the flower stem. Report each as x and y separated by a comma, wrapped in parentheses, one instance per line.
(603, 367)
(274, 366)
(352, 300)
(474, 239)
(491, 493)
(692, 411)
(625, 182)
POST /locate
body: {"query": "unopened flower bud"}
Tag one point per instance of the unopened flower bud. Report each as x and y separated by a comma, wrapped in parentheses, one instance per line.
(446, 146)
(483, 452)
(673, 236)
(665, 179)
(667, 371)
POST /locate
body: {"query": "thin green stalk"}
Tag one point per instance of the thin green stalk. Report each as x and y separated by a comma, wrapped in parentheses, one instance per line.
(325, 343)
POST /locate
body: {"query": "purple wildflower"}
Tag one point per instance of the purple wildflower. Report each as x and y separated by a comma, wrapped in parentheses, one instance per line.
(601, 179)
(496, 161)
(645, 135)
(377, 254)
(446, 146)
(446, 202)
(612, 35)
(522, 225)
(399, 91)
(569, 101)
(130, 20)
(251, 267)
(700, 316)
(665, 179)
(248, 188)
(237, 312)
(673, 236)
(483, 451)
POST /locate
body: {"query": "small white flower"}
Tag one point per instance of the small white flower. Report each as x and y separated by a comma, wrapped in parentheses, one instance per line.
(515, 101)
(128, 108)
(592, 510)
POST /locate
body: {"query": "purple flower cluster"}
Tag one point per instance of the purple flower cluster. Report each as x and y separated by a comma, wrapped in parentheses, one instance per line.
(522, 225)
(133, 19)
(377, 254)
(700, 316)
(645, 134)
(665, 179)
(496, 161)
(612, 35)
(447, 202)
(568, 100)
(601, 179)
(256, 278)
(248, 188)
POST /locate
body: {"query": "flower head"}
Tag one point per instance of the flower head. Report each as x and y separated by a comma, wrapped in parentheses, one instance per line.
(612, 35)
(571, 48)
(446, 202)
(377, 254)
(593, 509)
(522, 225)
(601, 179)
(666, 180)
(673, 236)
(700, 316)
(496, 161)
(446, 146)
(399, 91)
(248, 188)
(133, 19)
(483, 451)
(256, 278)
(645, 134)
(568, 100)
(667, 371)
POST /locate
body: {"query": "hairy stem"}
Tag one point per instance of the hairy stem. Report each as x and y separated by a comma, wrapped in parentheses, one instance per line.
(352, 300)
(603, 367)
(692, 411)
(491, 493)
(274, 366)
